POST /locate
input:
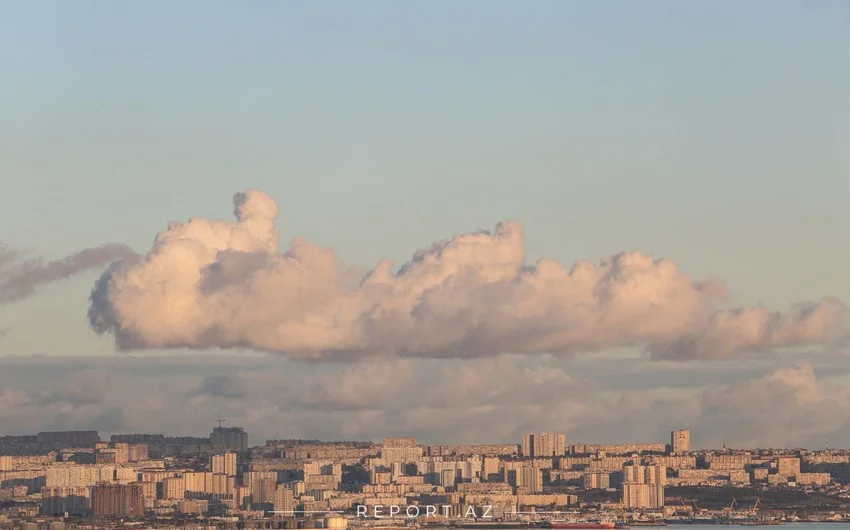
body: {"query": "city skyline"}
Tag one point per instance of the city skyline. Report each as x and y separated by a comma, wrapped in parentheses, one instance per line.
(79, 478)
(673, 445)
(222, 445)
(670, 181)
(237, 439)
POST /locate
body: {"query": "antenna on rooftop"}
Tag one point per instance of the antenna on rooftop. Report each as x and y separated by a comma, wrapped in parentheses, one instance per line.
(826, 443)
(220, 422)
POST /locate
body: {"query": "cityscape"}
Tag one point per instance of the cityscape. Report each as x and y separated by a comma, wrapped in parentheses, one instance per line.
(73, 479)
(424, 265)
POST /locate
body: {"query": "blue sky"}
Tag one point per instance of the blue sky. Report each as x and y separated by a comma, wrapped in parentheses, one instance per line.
(713, 133)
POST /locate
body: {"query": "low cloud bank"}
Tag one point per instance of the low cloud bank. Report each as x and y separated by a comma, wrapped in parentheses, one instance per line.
(437, 401)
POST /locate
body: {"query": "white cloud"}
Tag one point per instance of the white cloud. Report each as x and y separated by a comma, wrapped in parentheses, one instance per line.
(215, 284)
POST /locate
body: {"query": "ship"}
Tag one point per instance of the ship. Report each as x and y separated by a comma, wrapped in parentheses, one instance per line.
(582, 525)
(692, 520)
(489, 524)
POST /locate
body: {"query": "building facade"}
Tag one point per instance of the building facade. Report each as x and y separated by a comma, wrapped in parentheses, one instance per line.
(118, 500)
(680, 441)
(543, 444)
(234, 438)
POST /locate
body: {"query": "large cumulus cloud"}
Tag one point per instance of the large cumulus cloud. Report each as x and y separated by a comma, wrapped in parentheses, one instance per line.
(214, 284)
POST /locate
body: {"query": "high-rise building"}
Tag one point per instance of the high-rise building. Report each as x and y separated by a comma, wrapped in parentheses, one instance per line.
(118, 500)
(656, 474)
(174, 488)
(634, 474)
(122, 452)
(284, 501)
(532, 479)
(680, 441)
(643, 486)
(74, 500)
(527, 444)
(263, 491)
(224, 463)
(69, 438)
(404, 450)
(234, 438)
(249, 478)
(544, 444)
(597, 480)
(137, 452)
(643, 496)
(560, 444)
(788, 465)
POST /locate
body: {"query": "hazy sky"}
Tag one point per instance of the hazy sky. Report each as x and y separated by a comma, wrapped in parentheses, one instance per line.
(713, 133)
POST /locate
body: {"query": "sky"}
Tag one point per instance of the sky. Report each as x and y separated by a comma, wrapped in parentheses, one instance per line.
(709, 133)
